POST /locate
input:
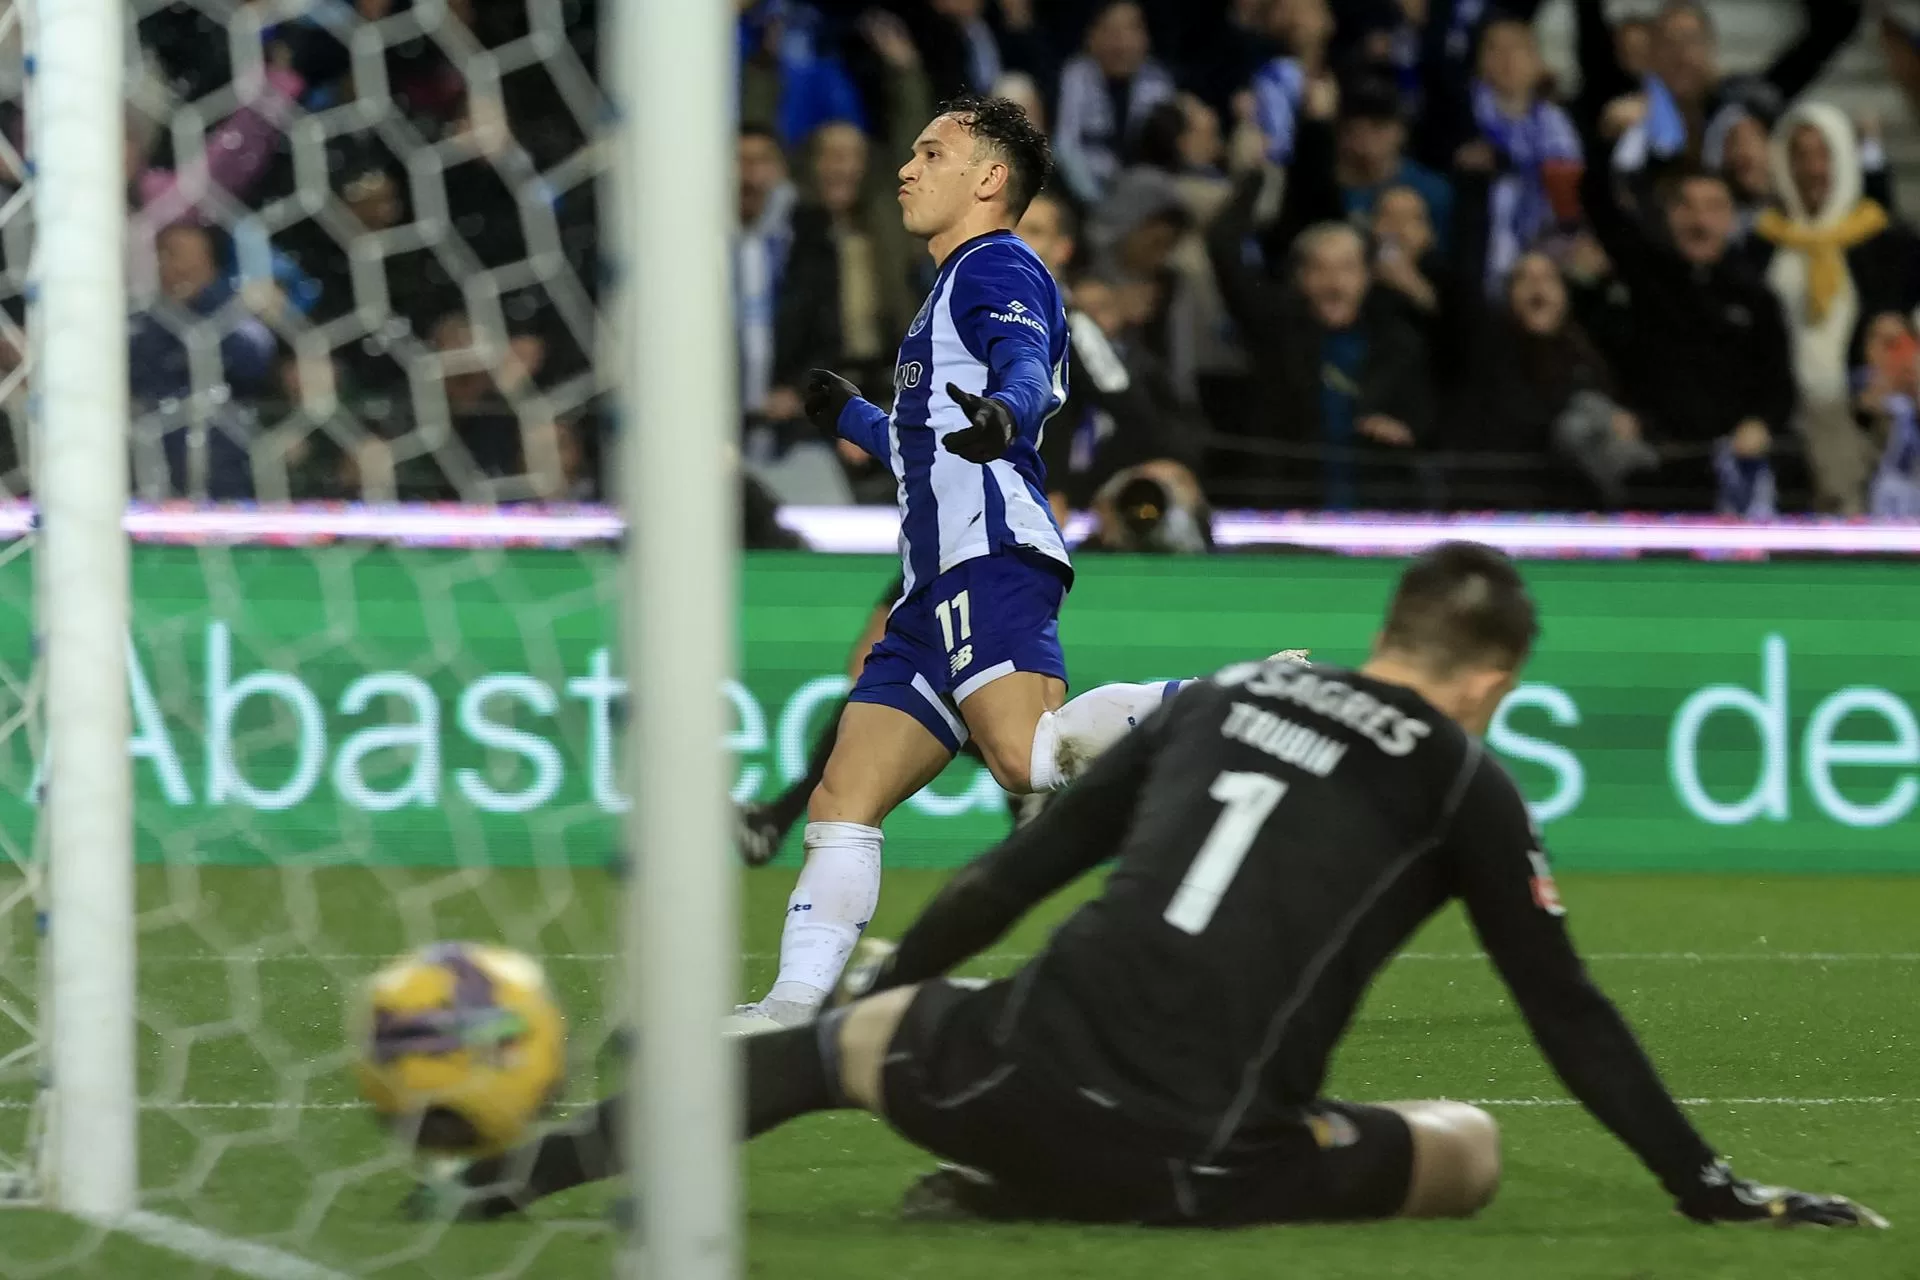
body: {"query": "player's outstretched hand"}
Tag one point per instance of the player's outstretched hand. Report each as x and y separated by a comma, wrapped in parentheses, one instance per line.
(1721, 1197)
(991, 430)
(826, 394)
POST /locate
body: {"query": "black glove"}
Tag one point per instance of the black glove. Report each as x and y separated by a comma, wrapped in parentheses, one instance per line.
(1721, 1197)
(991, 432)
(826, 394)
(867, 973)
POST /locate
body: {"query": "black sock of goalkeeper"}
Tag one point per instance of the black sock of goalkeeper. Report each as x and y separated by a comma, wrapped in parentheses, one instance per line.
(793, 1072)
(791, 803)
(789, 1073)
(578, 1154)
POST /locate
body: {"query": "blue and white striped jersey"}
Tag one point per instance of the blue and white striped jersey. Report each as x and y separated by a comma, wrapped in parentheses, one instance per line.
(993, 325)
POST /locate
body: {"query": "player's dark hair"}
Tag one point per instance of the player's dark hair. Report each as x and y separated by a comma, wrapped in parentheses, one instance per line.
(1458, 605)
(753, 129)
(1002, 124)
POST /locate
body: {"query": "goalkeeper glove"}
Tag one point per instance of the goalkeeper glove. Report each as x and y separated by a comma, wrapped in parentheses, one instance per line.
(990, 432)
(825, 398)
(866, 974)
(1721, 1197)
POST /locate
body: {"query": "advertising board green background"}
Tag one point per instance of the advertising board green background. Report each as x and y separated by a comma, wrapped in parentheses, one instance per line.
(443, 706)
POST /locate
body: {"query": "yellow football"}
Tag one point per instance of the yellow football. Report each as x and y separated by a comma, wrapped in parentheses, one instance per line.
(460, 1047)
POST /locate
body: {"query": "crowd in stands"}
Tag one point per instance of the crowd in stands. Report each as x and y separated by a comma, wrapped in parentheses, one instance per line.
(1360, 254)
(1337, 254)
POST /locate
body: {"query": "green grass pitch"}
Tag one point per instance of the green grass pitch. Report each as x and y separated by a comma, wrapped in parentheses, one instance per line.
(1788, 1010)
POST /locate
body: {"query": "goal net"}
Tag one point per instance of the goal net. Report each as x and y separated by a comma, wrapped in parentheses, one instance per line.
(362, 264)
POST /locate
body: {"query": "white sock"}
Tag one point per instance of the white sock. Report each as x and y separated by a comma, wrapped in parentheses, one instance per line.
(838, 889)
(1094, 721)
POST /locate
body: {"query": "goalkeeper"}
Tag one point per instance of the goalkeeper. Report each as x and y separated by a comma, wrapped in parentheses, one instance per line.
(1279, 833)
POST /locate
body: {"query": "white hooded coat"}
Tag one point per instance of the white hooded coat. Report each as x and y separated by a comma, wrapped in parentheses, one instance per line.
(1819, 350)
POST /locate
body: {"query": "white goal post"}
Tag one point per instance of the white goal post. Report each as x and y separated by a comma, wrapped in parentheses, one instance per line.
(666, 233)
(675, 85)
(79, 294)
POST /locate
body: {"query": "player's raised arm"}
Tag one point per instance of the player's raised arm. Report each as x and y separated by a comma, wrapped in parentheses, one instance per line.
(1071, 836)
(1503, 876)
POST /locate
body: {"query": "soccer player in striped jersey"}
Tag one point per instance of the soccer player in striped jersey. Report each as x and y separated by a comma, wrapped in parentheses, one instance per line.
(1085, 726)
(971, 648)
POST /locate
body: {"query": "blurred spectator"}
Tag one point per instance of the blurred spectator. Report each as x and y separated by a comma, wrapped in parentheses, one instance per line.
(421, 80)
(1745, 159)
(1889, 393)
(851, 284)
(1304, 28)
(1125, 409)
(1705, 354)
(1836, 261)
(393, 280)
(1901, 44)
(1342, 374)
(305, 455)
(494, 189)
(195, 358)
(1147, 229)
(767, 201)
(1685, 93)
(235, 154)
(1104, 95)
(578, 440)
(1614, 60)
(791, 81)
(1537, 188)
(1134, 230)
(974, 43)
(1633, 46)
(1534, 383)
(1025, 90)
(1145, 212)
(1121, 408)
(1371, 155)
(486, 376)
(1439, 294)
(1233, 51)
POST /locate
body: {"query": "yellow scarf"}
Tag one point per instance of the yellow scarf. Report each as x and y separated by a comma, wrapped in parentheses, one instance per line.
(1825, 248)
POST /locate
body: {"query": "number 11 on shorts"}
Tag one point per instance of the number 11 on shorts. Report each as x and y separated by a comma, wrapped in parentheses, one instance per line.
(1249, 799)
(960, 610)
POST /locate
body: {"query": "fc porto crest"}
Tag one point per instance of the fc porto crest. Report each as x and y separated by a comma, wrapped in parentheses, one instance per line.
(920, 321)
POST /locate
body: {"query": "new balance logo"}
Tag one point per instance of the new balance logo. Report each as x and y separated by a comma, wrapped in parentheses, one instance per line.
(962, 657)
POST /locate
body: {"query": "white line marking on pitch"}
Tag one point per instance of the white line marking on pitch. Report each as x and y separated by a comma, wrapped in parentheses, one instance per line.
(1709, 1102)
(601, 957)
(192, 1104)
(258, 1261)
(1706, 957)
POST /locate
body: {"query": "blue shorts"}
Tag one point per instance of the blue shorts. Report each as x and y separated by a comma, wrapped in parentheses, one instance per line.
(978, 621)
